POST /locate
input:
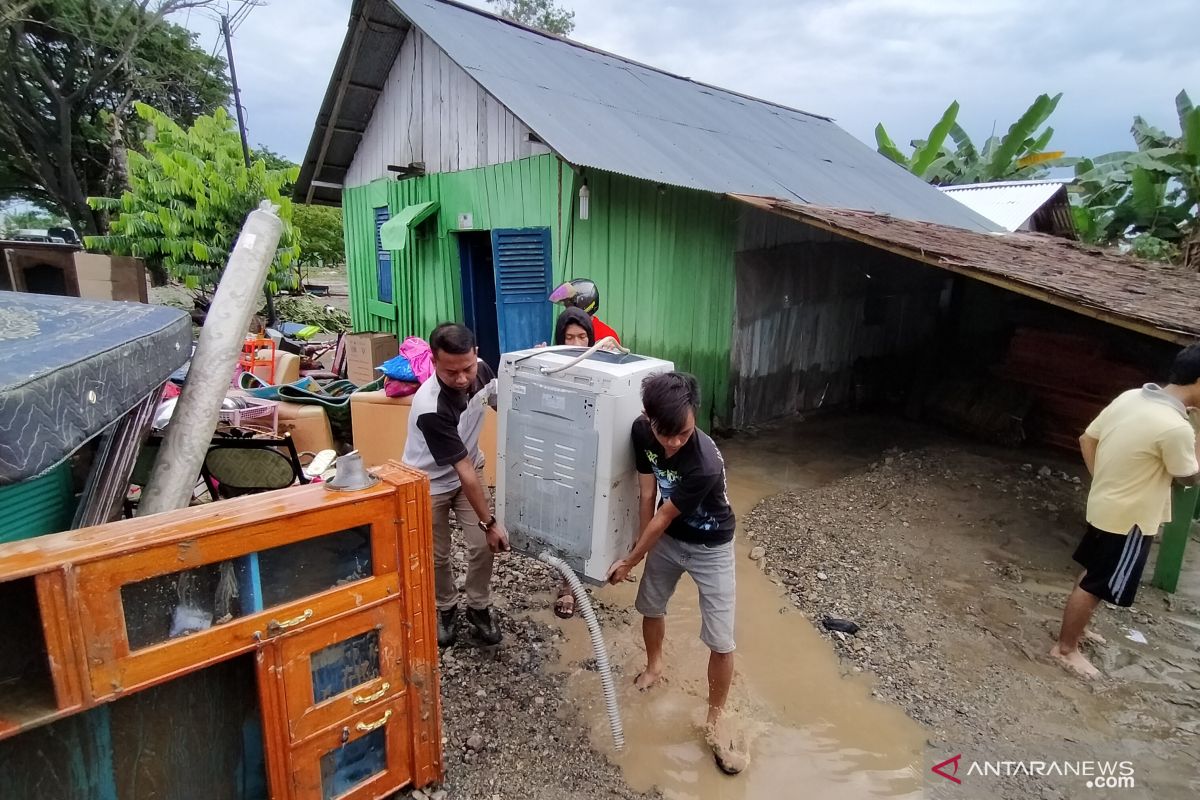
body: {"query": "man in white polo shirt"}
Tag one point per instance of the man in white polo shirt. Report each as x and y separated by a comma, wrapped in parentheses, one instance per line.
(1140, 443)
(443, 442)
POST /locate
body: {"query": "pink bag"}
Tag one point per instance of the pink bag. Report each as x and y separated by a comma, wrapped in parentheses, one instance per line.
(419, 356)
(394, 388)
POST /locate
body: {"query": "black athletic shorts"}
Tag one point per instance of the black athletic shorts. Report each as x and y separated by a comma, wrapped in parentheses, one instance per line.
(1114, 563)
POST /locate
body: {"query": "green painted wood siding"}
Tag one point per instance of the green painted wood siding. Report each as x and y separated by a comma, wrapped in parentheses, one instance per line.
(662, 256)
(663, 259)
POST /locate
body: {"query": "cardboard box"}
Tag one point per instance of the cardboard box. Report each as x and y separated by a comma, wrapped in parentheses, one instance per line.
(308, 424)
(380, 430)
(379, 425)
(487, 443)
(365, 352)
(111, 277)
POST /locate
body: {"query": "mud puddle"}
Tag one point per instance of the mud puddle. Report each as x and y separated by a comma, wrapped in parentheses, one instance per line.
(810, 726)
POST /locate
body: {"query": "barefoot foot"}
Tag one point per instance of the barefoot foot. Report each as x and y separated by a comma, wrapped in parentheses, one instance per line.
(728, 747)
(647, 678)
(1074, 661)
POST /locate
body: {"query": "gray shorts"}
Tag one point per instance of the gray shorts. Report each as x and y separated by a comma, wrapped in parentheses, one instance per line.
(712, 570)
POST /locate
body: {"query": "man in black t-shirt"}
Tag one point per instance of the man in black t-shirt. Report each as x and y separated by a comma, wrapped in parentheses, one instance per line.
(691, 531)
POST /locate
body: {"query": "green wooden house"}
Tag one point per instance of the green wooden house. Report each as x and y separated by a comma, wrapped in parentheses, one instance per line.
(480, 163)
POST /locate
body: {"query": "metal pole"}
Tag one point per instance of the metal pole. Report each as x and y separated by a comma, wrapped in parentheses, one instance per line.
(237, 105)
(1169, 563)
(237, 95)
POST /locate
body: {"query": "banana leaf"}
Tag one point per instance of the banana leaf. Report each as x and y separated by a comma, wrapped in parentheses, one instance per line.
(928, 152)
(966, 148)
(1034, 146)
(1158, 159)
(1183, 106)
(1038, 112)
(888, 148)
(1146, 195)
(1147, 136)
(1191, 134)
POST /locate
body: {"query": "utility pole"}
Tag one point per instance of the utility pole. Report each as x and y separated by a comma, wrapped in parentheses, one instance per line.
(237, 95)
(237, 104)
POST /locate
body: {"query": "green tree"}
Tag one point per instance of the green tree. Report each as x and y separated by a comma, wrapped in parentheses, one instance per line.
(1018, 155)
(1148, 197)
(546, 15)
(318, 228)
(320, 235)
(189, 195)
(272, 159)
(70, 71)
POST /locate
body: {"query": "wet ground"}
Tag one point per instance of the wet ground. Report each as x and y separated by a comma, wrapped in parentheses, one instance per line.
(955, 559)
(808, 723)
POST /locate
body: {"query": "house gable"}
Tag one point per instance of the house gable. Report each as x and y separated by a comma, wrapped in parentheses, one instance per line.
(432, 112)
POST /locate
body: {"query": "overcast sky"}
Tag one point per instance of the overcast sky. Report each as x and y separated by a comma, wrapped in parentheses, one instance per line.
(858, 61)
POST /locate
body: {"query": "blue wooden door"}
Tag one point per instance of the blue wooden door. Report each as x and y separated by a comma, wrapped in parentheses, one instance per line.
(383, 260)
(521, 257)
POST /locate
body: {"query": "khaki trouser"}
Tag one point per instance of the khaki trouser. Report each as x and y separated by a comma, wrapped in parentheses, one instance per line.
(479, 557)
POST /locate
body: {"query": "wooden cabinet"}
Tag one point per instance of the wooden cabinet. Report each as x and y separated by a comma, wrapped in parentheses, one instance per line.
(366, 757)
(334, 671)
(330, 593)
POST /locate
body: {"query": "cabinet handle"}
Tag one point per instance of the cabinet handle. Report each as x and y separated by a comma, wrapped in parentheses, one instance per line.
(275, 626)
(367, 727)
(371, 698)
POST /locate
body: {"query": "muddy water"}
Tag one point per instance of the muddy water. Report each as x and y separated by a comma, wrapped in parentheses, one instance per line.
(811, 729)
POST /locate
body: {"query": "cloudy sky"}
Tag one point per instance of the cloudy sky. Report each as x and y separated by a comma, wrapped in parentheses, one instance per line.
(859, 61)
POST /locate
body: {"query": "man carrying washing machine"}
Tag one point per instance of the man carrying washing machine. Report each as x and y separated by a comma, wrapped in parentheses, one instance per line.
(690, 531)
(443, 442)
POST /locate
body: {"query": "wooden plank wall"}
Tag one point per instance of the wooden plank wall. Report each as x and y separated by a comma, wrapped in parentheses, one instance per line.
(432, 111)
(812, 306)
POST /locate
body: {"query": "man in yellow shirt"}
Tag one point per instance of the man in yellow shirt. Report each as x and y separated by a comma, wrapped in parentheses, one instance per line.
(1140, 443)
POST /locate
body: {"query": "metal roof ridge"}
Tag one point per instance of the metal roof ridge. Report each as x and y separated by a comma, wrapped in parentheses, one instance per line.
(1004, 184)
(598, 51)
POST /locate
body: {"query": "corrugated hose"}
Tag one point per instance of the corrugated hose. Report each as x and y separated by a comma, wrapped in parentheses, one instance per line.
(584, 604)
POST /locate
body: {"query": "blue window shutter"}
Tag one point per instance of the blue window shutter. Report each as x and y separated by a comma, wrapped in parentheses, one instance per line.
(383, 259)
(521, 257)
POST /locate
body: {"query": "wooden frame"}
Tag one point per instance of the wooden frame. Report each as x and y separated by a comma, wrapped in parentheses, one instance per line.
(116, 668)
(392, 719)
(306, 716)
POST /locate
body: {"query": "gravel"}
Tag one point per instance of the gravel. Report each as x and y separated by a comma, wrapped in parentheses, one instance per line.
(932, 552)
(509, 730)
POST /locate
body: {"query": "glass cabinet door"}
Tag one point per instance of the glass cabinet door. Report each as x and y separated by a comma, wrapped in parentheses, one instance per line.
(367, 757)
(180, 603)
(152, 612)
(342, 667)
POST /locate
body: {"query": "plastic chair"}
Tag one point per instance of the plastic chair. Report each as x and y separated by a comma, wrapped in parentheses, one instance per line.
(234, 466)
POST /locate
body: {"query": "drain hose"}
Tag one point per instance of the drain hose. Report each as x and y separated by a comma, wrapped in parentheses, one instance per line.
(588, 613)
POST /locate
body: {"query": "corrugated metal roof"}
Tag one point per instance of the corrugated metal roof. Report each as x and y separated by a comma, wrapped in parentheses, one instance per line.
(1154, 299)
(599, 110)
(1009, 204)
(373, 38)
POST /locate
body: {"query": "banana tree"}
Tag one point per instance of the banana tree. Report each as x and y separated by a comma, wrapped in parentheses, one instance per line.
(1144, 196)
(1020, 154)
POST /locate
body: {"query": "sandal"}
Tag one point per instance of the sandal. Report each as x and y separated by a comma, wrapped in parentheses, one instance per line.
(564, 604)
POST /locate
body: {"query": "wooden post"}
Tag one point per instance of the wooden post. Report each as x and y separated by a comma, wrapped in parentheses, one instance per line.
(1174, 538)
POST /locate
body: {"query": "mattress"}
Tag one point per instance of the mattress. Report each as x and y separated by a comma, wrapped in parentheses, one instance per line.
(69, 368)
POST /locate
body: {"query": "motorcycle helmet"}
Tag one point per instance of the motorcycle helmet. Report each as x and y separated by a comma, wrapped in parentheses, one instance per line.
(580, 293)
